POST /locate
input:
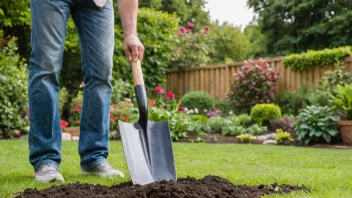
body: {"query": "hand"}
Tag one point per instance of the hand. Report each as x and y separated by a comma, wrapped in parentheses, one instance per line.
(133, 47)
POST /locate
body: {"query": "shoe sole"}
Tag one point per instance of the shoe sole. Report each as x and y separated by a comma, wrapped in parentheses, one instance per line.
(46, 179)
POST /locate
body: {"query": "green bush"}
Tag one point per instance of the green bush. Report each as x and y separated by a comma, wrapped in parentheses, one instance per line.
(343, 100)
(336, 77)
(283, 136)
(256, 129)
(198, 99)
(76, 108)
(316, 123)
(248, 138)
(13, 90)
(121, 90)
(199, 118)
(291, 102)
(215, 124)
(310, 59)
(244, 120)
(319, 97)
(232, 130)
(157, 31)
(263, 113)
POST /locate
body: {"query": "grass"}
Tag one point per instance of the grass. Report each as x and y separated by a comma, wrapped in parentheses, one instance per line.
(327, 171)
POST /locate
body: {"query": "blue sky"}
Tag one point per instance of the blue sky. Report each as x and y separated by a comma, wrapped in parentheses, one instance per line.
(233, 11)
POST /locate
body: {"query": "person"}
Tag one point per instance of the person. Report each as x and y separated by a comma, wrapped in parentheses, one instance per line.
(94, 21)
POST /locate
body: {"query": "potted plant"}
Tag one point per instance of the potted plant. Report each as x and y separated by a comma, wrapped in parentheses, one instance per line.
(342, 98)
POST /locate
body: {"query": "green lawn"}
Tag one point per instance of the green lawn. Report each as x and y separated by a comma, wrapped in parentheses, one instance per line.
(326, 171)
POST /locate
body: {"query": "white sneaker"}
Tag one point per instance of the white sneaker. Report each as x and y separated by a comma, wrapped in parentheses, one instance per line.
(103, 169)
(48, 173)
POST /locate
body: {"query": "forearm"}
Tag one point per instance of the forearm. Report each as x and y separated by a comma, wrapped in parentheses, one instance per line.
(128, 10)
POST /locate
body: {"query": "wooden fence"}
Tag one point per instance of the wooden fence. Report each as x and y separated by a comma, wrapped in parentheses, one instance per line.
(217, 79)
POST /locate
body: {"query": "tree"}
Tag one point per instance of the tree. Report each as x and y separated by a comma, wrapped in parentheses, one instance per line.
(257, 40)
(298, 25)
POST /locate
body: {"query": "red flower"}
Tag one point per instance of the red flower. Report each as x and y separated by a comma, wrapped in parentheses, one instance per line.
(63, 123)
(158, 90)
(207, 28)
(116, 118)
(181, 30)
(152, 102)
(181, 109)
(170, 95)
(126, 119)
(272, 88)
(111, 117)
(190, 25)
(188, 30)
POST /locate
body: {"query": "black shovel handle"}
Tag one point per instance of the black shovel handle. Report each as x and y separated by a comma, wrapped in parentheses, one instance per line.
(141, 95)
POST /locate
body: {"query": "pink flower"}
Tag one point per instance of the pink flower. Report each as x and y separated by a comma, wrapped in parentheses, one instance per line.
(181, 30)
(158, 90)
(190, 25)
(188, 30)
(63, 123)
(173, 59)
(152, 102)
(205, 35)
(207, 28)
(196, 45)
(81, 85)
(170, 95)
(272, 88)
(181, 109)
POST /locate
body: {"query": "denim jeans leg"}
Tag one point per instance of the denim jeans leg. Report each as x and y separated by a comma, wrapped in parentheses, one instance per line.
(49, 19)
(96, 31)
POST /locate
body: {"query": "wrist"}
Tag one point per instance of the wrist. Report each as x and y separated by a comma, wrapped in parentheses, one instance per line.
(129, 34)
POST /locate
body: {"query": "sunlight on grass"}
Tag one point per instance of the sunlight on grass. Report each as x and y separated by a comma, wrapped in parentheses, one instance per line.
(326, 171)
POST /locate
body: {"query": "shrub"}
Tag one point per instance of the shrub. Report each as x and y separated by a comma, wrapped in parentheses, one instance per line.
(246, 138)
(215, 124)
(244, 120)
(285, 123)
(76, 108)
(199, 118)
(125, 111)
(283, 136)
(315, 123)
(336, 77)
(121, 90)
(292, 102)
(253, 83)
(192, 48)
(256, 129)
(319, 97)
(263, 113)
(13, 90)
(198, 99)
(231, 130)
(310, 59)
(343, 100)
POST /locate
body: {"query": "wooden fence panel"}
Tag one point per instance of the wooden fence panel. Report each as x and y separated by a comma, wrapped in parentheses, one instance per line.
(217, 79)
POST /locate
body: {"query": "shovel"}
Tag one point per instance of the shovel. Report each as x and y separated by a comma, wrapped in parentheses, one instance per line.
(146, 144)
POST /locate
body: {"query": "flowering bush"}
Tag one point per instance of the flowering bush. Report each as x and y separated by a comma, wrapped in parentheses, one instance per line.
(125, 111)
(193, 48)
(76, 108)
(253, 83)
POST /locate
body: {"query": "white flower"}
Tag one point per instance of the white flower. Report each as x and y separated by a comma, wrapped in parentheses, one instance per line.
(185, 109)
(231, 112)
(191, 111)
(196, 110)
(205, 110)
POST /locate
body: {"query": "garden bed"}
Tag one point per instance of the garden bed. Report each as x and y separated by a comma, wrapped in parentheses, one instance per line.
(209, 186)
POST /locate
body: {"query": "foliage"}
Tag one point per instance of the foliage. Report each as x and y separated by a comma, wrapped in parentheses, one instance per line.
(319, 97)
(246, 137)
(199, 118)
(244, 120)
(62, 99)
(123, 110)
(335, 77)
(314, 123)
(263, 113)
(283, 136)
(198, 99)
(343, 100)
(76, 108)
(224, 105)
(256, 129)
(232, 130)
(291, 102)
(285, 123)
(310, 59)
(156, 30)
(215, 124)
(14, 13)
(196, 127)
(192, 48)
(258, 41)
(296, 26)
(253, 83)
(178, 122)
(228, 44)
(121, 90)
(13, 90)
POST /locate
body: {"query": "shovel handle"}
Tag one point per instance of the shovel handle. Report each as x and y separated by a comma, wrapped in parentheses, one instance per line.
(137, 73)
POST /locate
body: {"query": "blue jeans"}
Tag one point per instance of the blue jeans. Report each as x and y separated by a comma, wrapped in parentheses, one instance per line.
(95, 27)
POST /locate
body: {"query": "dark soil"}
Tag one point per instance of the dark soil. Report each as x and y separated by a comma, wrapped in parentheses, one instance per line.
(210, 186)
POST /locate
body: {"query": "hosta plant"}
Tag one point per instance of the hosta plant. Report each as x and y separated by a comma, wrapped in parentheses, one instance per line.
(316, 123)
(253, 83)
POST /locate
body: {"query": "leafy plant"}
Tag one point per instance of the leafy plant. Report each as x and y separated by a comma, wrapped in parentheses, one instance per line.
(319, 97)
(253, 83)
(246, 137)
(335, 77)
(13, 90)
(315, 123)
(263, 113)
(343, 100)
(256, 129)
(198, 99)
(231, 130)
(283, 136)
(244, 120)
(196, 127)
(63, 99)
(76, 108)
(285, 123)
(310, 59)
(199, 118)
(291, 102)
(121, 90)
(215, 124)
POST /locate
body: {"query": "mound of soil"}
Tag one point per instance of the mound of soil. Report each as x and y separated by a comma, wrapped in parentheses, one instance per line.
(210, 186)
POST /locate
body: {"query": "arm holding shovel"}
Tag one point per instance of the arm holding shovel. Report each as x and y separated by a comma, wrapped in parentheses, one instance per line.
(133, 47)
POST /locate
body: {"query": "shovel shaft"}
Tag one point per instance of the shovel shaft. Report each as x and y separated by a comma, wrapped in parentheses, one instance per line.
(141, 95)
(137, 73)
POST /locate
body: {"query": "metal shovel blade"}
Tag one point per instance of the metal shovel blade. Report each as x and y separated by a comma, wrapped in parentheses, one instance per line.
(148, 154)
